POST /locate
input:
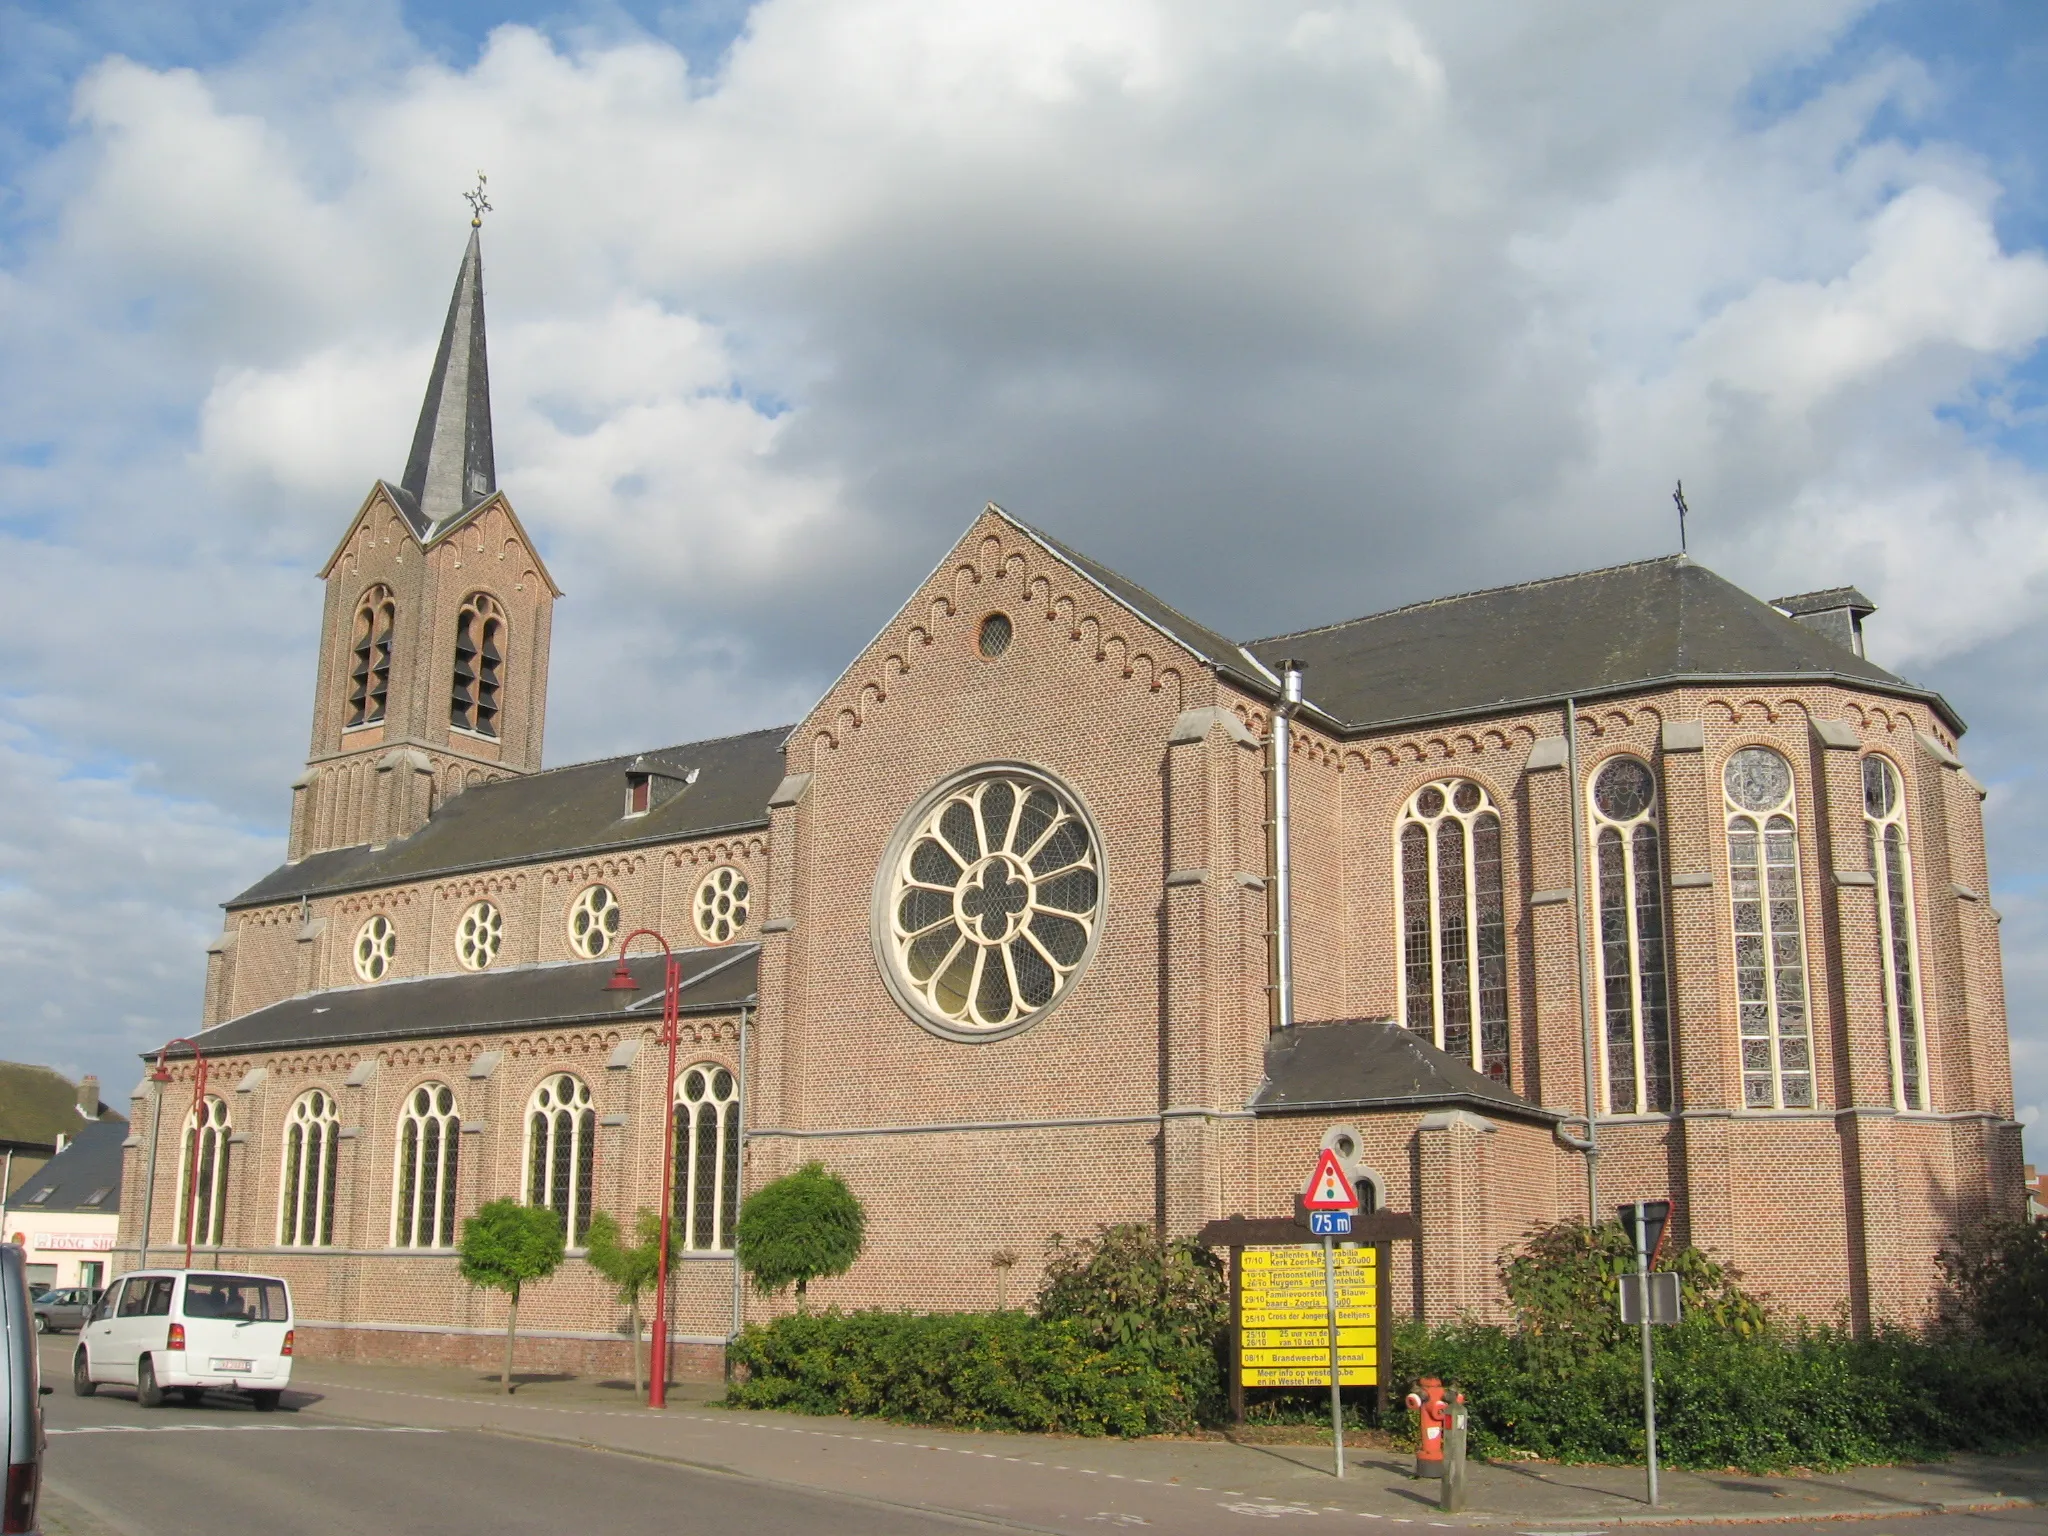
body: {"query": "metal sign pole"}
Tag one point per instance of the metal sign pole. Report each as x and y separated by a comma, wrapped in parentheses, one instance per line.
(1336, 1372)
(1649, 1374)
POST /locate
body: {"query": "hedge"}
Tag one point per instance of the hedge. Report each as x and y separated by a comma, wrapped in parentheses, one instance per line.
(968, 1370)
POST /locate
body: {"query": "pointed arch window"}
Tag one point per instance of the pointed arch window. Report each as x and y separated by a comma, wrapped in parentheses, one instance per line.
(1770, 943)
(561, 1151)
(1891, 861)
(423, 1193)
(369, 676)
(707, 1183)
(1628, 870)
(202, 1217)
(1454, 953)
(312, 1154)
(479, 665)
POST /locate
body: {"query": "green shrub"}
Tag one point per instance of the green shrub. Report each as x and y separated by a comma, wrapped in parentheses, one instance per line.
(1997, 1277)
(967, 1370)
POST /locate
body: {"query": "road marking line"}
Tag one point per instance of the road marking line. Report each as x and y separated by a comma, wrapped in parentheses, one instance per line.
(232, 1429)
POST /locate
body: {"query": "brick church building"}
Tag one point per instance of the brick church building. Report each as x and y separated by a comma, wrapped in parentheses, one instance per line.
(1059, 909)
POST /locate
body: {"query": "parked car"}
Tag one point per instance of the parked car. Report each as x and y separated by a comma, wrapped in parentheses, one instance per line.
(188, 1331)
(21, 1397)
(56, 1311)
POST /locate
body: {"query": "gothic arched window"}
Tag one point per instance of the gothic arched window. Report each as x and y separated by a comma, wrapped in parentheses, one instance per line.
(429, 1141)
(1891, 861)
(1628, 872)
(203, 1218)
(312, 1151)
(707, 1187)
(369, 674)
(1770, 943)
(479, 665)
(1454, 949)
(561, 1151)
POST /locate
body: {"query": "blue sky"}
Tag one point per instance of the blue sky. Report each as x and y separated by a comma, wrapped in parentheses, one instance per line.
(1446, 294)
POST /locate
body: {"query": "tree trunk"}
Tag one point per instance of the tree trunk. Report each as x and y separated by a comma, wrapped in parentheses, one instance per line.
(800, 1306)
(633, 1343)
(511, 1333)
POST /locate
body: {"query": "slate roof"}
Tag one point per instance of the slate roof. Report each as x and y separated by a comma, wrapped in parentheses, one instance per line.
(1376, 1064)
(1598, 632)
(493, 1001)
(91, 1162)
(452, 467)
(557, 813)
(1208, 645)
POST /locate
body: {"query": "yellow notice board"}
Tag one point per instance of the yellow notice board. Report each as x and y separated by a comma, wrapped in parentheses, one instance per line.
(1283, 1325)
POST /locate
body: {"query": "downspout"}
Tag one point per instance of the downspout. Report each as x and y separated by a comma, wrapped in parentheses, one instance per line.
(1280, 738)
(1589, 1144)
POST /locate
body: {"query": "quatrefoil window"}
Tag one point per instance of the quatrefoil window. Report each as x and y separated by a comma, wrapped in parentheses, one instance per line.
(989, 902)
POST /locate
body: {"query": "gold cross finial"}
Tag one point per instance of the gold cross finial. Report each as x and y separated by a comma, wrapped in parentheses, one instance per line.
(479, 205)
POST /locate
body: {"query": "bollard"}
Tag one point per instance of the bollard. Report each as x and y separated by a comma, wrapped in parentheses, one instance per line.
(1452, 1499)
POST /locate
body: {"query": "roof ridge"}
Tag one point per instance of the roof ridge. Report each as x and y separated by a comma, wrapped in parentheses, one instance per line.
(1455, 597)
(626, 757)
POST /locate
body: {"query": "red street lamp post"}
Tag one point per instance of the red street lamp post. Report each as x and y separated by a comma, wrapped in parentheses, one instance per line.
(160, 1076)
(622, 981)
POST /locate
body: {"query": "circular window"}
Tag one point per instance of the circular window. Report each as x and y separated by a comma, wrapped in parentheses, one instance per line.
(1623, 789)
(593, 921)
(1757, 779)
(989, 902)
(994, 637)
(478, 936)
(376, 947)
(721, 904)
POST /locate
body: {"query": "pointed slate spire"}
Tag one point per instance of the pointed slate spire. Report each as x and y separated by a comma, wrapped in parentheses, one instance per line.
(451, 468)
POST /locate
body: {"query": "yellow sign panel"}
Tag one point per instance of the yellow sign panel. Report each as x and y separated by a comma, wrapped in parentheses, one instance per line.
(1265, 1376)
(1283, 1317)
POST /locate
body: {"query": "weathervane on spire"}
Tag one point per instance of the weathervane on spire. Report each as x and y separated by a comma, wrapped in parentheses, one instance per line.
(479, 204)
(1678, 500)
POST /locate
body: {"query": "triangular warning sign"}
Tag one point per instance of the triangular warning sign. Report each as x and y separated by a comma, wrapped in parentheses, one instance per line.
(1328, 1188)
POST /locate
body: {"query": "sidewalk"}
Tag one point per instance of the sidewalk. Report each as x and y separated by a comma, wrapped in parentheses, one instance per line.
(1191, 1485)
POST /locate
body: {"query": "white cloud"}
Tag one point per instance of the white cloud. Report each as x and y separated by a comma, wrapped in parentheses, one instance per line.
(1441, 294)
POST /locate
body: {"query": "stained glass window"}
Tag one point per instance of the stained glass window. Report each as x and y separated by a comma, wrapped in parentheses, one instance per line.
(707, 1179)
(1770, 945)
(204, 1216)
(1453, 923)
(1634, 984)
(561, 1152)
(1884, 813)
(429, 1144)
(305, 1217)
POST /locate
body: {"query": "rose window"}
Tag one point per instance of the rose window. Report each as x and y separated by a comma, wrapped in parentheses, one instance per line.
(376, 947)
(593, 921)
(993, 902)
(721, 904)
(478, 936)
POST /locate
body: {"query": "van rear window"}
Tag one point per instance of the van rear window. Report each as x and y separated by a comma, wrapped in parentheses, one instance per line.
(236, 1298)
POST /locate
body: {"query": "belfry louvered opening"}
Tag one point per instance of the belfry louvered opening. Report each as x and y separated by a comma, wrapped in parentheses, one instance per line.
(479, 665)
(369, 677)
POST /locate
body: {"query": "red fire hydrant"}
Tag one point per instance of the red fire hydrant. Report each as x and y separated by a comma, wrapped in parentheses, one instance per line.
(1434, 1410)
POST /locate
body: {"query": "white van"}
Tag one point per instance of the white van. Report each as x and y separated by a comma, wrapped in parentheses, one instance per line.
(188, 1331)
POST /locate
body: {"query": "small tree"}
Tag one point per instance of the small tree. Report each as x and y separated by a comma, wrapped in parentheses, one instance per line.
(632, 1268)
(804, 1226)
(504, 1245)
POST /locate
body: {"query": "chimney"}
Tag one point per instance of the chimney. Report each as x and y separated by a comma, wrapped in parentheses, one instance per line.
(1837, 613)
(89, 1097)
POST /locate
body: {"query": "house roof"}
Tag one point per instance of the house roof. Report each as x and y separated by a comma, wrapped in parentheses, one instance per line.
(90, 1163)
(494, 1001)
(1347, 1064)
(557, 813)
(1624, 628)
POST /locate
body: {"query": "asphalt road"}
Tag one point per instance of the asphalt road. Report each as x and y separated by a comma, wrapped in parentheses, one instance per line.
(222, 1469)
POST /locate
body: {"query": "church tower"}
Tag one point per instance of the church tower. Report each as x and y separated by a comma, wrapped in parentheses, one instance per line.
(434, 646)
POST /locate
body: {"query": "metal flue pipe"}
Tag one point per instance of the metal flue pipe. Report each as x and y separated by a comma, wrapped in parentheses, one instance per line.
(1281, 741)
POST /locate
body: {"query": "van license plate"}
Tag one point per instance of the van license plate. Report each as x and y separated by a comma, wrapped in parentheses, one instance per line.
(234, 1365)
